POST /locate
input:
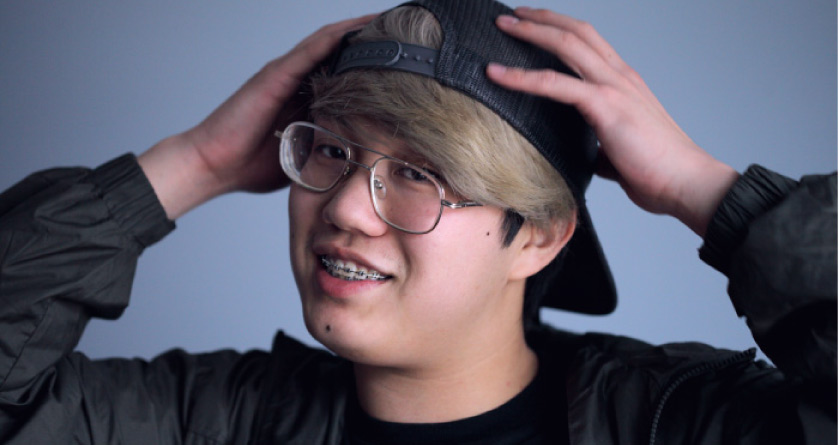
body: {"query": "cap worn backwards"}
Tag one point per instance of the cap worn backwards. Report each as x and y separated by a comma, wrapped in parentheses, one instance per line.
(579, 279)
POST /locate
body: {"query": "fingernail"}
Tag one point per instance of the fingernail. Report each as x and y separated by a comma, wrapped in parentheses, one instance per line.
(507, 20)
(496, 69)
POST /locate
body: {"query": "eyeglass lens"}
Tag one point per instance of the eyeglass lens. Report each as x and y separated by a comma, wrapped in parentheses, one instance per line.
(403, 195)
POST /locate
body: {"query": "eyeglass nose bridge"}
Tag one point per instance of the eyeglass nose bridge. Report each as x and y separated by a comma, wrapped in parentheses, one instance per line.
(378, 188)
(370, 168)
(351, 162)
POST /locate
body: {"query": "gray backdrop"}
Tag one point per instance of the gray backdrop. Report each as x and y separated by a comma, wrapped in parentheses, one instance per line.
(82, 82)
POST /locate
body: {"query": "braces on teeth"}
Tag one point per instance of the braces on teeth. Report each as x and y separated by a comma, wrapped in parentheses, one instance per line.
(348, 271)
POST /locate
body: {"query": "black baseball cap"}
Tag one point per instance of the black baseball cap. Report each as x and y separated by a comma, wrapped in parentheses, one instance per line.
(579, 278)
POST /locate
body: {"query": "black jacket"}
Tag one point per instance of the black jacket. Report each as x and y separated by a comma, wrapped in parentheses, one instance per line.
(70, 239)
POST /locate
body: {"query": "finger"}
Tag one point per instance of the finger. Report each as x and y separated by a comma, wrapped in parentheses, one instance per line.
(572, 50)
(256, 104)
(583, 30)
(546, 83)
(336, 30)
(588, 34)
(315, 48)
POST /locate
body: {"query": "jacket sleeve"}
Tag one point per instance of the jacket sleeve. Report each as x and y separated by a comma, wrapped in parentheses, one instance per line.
(69, 242)
(776, 240)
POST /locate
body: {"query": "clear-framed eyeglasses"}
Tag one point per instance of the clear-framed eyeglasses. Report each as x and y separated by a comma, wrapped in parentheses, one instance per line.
(405, 196)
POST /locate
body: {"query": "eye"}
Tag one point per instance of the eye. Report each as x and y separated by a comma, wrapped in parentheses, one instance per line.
(417, 175)
(412, 174)
(330, 151)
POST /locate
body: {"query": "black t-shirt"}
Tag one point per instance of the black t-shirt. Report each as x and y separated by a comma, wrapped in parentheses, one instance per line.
(535, 416)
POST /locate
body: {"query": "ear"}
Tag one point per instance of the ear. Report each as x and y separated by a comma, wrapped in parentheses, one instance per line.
(538, 246)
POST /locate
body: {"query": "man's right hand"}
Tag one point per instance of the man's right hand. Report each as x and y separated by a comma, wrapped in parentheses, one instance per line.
(234, 148)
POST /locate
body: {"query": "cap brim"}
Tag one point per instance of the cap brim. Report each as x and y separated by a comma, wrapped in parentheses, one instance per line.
(581, 280)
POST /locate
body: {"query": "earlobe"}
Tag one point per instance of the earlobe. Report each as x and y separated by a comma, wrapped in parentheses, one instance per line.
(538, 246)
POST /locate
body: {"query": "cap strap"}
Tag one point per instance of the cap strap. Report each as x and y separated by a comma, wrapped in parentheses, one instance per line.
(388, 54)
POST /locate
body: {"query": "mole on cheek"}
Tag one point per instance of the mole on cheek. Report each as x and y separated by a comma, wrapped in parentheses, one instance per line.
(487, 233)
(328, 328)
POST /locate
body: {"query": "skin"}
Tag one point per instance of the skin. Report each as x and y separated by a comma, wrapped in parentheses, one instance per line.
(234, 148)
(446, 328)
(658, 166)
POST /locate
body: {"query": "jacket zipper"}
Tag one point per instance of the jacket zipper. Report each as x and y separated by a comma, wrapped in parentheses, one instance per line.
(743, 356)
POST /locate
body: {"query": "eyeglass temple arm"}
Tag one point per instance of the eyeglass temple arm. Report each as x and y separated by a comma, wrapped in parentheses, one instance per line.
(461, 204)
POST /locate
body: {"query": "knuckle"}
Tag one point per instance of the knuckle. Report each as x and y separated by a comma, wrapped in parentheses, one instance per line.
(516, 75)
(327, 28)
(608, 93)
(331, 30)
(566, 39)
(545, 79)
(632, 74)
(542, 13)
(272, 66)
(584, 27)
(629, 73)
(525, 26)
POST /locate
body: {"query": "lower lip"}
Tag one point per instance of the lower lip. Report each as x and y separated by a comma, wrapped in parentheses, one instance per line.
(338, 288)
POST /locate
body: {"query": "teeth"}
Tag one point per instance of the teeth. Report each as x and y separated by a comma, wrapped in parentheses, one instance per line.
(348, 270)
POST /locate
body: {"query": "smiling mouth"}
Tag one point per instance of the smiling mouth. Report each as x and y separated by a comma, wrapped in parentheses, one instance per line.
(347, 270)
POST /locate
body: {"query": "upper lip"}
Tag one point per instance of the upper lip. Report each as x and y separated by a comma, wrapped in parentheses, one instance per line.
(344, 254)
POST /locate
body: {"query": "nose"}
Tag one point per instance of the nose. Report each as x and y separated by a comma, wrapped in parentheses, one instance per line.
(350, 207)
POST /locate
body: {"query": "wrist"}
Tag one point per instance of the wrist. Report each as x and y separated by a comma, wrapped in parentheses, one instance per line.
(131, 201)
(702, 194)
(179, 176)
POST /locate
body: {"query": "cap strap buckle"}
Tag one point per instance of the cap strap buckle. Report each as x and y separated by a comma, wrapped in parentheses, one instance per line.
(388, 54)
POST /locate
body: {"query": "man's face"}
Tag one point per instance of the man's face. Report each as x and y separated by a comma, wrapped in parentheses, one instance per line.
(444, 292)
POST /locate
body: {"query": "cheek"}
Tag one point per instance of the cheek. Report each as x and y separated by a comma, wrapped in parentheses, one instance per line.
(296, 219)
(458, 276)
(304, 212)
(301, 205)
(302, 215)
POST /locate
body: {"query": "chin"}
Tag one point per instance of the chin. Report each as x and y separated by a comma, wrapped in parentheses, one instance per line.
(334, 332)
(354, 351)
(351, 341)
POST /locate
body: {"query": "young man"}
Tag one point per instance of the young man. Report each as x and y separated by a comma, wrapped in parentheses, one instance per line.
(428, 213)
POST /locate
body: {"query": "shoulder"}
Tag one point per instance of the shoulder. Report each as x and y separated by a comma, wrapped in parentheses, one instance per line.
(619, 353)
(634, 368)
(689, 392)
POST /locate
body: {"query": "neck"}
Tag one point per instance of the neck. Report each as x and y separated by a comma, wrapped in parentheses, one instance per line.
(475, 384)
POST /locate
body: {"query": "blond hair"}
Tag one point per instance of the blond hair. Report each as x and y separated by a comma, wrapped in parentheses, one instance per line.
(478, 153)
